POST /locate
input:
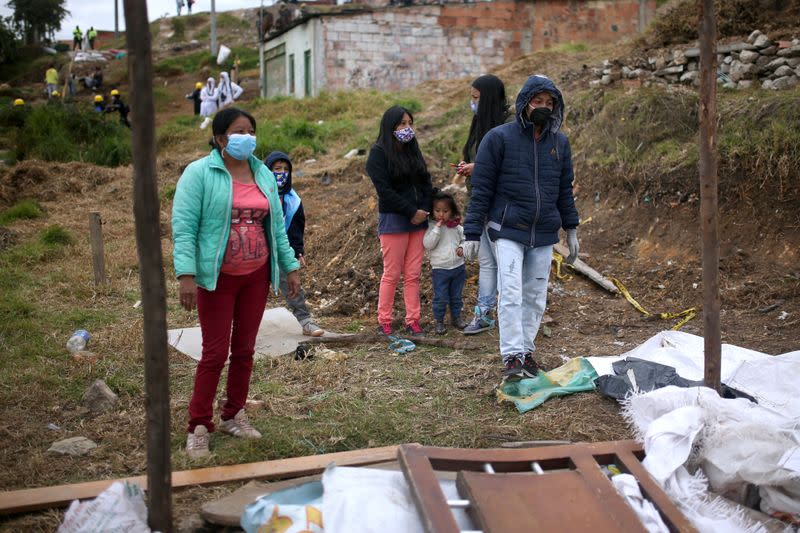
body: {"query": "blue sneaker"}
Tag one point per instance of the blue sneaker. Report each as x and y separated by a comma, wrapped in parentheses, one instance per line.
(481, 322)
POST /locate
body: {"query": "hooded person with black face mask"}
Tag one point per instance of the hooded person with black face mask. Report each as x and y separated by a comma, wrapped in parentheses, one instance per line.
(522, 194)
(294, 219)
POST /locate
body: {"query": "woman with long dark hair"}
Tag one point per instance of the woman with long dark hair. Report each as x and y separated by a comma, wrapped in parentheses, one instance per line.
(230, 245)
(403, 183)
(490, 109)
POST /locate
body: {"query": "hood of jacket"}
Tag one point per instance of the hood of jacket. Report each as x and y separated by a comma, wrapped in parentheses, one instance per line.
(280, 156)
(534, 85)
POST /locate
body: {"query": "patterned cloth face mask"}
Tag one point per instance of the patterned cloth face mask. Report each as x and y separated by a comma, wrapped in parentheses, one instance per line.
(281, 178)
(474, 107)
(405, 135)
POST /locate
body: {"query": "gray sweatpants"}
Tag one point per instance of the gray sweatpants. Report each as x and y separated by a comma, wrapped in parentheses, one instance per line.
(296, 305)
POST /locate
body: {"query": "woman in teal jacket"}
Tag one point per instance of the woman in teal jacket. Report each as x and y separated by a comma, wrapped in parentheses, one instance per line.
(230, 245)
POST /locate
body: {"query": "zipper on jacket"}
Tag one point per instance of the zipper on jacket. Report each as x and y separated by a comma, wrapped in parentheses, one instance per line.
(222, 245)
(535, 187)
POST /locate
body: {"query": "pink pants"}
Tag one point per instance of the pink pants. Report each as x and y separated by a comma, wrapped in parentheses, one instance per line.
(236, 306)
(402, 255)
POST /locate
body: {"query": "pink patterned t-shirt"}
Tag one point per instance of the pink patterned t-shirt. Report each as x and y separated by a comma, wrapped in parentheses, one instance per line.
(247, 249)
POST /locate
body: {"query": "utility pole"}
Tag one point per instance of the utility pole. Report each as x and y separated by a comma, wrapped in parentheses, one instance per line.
(213, 29)
(151, 268)
(262, 82)
(116, 19)
(709, 193)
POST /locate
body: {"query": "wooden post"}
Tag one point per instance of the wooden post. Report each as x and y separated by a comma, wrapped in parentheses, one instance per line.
(153, 287)
(708, 192)
(214, 48)
(98, 253)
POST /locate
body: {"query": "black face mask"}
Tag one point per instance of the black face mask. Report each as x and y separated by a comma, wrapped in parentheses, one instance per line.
(540, 116)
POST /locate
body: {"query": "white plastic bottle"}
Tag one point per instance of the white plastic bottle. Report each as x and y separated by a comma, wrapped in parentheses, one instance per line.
(78, 341)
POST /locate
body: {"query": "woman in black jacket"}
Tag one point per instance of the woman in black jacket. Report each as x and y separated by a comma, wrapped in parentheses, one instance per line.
(490, 109)
(403, 183)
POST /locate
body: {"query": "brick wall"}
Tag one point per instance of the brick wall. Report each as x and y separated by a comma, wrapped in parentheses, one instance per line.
(396, 48)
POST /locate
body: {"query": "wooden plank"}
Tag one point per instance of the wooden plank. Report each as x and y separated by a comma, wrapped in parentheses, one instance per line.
(425, 489)
(26, 500)
(586, 270)
(553, 501)
(651, 490)
(146, 210)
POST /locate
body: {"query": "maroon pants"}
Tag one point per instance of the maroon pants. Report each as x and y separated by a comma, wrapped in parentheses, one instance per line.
(236, 306)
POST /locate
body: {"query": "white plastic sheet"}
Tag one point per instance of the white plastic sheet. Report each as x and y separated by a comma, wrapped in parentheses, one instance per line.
(118, 509)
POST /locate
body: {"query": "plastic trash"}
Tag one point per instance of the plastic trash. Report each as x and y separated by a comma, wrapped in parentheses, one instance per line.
(223, 54)
(118, 508)
(78, 341)
(292, 510)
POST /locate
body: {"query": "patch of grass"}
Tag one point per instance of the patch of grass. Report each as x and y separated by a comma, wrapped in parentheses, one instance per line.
(569, 48)
(226, 21)
(71, 133)
(247, 56)
(291, 134)
(56, 236)
(167, 193)
(24, 210)
(175, 66)
(178, 29)
(177, 131)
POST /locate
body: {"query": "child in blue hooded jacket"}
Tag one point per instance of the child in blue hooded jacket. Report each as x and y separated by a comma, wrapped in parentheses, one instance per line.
(522, 193)
(295, 221)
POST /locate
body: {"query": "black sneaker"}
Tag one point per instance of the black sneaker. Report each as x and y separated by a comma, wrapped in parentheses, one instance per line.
(513, 370)
(440, 328)
(529, 366)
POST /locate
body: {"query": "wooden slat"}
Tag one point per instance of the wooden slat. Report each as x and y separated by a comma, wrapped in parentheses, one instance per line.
(651, 490)
(587, 271)
(426, 491)
(26, 500)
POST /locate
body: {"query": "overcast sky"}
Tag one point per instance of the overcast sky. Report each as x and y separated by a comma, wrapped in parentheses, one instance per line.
(100, 13)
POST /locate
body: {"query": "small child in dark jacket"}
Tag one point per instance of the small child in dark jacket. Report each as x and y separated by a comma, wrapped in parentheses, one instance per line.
(295, 219)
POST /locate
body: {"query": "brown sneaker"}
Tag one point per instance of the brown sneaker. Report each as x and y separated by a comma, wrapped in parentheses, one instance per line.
(197, 443)
(239, 426)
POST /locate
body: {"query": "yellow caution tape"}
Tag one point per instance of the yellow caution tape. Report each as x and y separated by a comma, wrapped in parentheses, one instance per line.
(559, 259)
(686, 315)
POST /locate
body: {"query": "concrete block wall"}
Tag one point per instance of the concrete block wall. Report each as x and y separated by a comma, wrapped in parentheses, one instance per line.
(397, 48)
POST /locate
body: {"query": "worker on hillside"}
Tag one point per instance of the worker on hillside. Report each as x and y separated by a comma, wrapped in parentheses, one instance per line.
(229, 91)
(195, 96)
(99, 103)
(77, 38)
(92, 35)
(19, 102)
(50, 80)
(522, 195)
(95, 81)
(118, 105)
(209, 97)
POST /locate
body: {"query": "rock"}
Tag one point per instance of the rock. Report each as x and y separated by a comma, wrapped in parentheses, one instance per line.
(742, 71)
(191, 523)
(691, 66)
(626, 72)
(762, 62)
(729, 85)
(74, 446)
(99, 398)
(761, 41)
(775, 63)
(678, 57)
(594, 83)
(640, 73)
(607, 63)
(735, 47)
(767, 84)
(792, 51)
(660, 63)
(605, 80)
(691, 52)
(677, 69)
(753, 36)
(84, 356)
(786, 82)
(784, 70)
(748, 56)
(728, 60)
(689, 77)
(797, 71)
(793, 61)
(725, 68)
(769, 51)
(606, 71)
(745, 84)
(616, 75)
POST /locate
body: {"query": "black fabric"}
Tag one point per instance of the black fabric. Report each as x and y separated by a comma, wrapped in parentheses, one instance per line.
(650, 376)
(398, 196)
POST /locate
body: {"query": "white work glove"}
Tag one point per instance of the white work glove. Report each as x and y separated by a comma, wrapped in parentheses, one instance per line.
(471, 249)
(574, 247)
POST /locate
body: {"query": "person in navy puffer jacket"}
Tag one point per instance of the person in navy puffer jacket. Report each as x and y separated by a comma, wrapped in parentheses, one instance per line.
(522, 194)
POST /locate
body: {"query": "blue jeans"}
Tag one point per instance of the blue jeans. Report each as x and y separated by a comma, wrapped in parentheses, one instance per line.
(296, 305)
(448, 284)
(487, 275)
(522, 274)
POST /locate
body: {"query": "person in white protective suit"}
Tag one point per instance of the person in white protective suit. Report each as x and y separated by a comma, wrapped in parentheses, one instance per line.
(209, 98)
(229, 92)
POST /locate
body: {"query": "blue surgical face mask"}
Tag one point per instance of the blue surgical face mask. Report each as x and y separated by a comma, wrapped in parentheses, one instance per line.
(281, 178)
(405, 135)
(241, 145)
(474, 106)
